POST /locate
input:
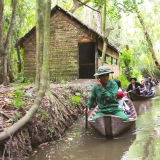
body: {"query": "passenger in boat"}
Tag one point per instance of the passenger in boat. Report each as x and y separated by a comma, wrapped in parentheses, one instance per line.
(104, 93)
(119, 84)
(122, 104)
(153, 82)
(148, 88)
(134, 86)
(150, 81)
(120, 93)
(143, 89)
(120, 98)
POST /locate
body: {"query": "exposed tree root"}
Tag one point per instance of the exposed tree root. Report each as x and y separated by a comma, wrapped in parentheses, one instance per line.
(55, 115)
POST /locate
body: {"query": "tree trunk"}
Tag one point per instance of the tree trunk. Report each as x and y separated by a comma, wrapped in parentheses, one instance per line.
(39, 39)
(127, 72)
(19, 65)
(105, 40)
(61, 111)
(46, 43)
(77, 4)
(1, 41)
(147, 36)
(6, 44)
(43, 81)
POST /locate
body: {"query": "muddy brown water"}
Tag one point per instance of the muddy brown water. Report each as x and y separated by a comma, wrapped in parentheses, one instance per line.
(141, 142)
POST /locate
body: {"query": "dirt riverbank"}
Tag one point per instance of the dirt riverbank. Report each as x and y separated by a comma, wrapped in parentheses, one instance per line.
(45, 126)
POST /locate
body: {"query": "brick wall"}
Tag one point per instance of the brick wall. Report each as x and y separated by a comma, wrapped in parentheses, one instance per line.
(30, 57)
(64, 46)
(65, 35)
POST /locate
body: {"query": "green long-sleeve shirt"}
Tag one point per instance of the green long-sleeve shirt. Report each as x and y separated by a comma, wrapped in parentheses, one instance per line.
(105, 96)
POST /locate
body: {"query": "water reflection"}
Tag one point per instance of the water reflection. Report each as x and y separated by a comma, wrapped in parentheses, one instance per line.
(147, 143)
(80, 144)
(143, 106)
(141, 142)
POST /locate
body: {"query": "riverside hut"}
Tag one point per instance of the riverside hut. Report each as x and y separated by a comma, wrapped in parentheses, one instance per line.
(75, 49)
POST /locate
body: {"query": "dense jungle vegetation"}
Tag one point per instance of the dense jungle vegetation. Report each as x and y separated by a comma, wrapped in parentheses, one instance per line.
(132, 26)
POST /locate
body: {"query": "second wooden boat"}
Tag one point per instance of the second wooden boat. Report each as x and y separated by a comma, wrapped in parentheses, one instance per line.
(110, 125)
(134, 96)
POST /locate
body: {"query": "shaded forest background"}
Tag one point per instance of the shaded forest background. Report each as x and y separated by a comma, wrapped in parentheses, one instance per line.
(125, 31)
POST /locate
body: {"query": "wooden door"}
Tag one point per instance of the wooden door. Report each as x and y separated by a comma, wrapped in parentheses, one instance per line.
(86, 60)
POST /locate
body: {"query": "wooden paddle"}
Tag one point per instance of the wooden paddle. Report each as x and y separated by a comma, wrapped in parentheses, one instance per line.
(133, 89)
(86, 117)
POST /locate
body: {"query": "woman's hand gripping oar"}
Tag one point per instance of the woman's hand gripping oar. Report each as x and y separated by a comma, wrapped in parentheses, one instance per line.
(86, 110)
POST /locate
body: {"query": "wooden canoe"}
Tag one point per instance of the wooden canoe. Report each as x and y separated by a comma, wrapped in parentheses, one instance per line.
(110, 125)
(134, 96)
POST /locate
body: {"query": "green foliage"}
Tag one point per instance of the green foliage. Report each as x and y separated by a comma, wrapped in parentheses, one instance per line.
(125, 57)
(126, 63)
(50, 131)
(128, 68)
(23, 134)
(113, 12)
(132, 35)
(66, 5)
(15, 62)
(76, 100)
(98, 3)
(17, 98)
(127, 6)
(25, 20)
(63, 81)
(19, 77)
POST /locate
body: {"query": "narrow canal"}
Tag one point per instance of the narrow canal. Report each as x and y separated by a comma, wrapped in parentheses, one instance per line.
(141, 142)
